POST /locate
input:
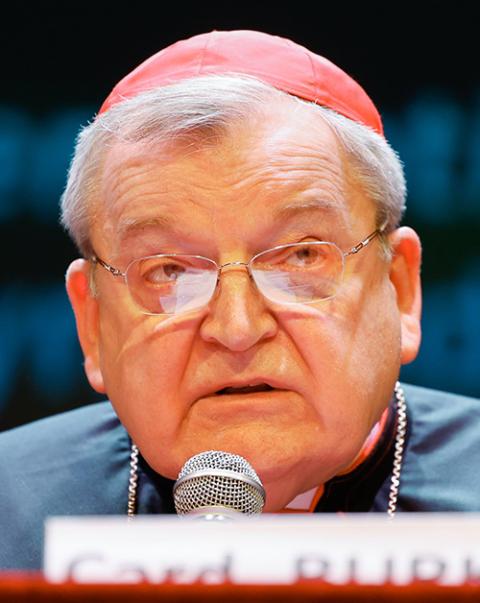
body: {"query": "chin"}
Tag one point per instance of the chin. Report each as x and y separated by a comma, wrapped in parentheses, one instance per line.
(270, 462)
(274, 465)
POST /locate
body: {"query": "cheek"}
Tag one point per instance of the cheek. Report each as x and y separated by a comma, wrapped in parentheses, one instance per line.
(143, 362)
(379, 329)
(352, 351)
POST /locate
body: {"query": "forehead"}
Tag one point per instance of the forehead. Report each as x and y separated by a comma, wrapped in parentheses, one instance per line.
(261, 173)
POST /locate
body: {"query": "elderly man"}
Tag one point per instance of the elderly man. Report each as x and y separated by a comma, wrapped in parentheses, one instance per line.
(244, 287)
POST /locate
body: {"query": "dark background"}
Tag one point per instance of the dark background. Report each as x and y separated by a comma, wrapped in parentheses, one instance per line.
(419, 63)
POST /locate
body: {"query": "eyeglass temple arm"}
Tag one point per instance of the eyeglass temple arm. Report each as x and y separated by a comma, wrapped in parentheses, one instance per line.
(115, 271)
(365, 241)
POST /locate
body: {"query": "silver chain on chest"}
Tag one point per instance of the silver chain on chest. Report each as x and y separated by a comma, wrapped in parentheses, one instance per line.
(401, 408)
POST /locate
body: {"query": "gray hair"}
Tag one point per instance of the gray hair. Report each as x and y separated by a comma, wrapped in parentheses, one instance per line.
(209, 105)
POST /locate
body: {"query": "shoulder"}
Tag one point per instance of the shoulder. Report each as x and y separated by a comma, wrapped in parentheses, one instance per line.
(439, 404)
(74, 430)
(440, 420)
(75, 463)
(442, 455)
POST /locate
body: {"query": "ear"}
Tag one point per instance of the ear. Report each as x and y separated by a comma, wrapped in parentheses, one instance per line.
(405, 277)
(85, 308)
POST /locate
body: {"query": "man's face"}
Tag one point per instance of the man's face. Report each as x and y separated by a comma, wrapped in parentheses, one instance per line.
(332, 365)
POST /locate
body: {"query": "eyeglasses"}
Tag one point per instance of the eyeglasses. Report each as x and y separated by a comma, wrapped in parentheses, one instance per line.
(297, 273)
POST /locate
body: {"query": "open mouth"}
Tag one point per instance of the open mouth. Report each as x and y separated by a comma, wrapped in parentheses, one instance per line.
(248, 389)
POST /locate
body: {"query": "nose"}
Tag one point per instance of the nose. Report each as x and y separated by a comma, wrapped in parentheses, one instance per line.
(239, 317)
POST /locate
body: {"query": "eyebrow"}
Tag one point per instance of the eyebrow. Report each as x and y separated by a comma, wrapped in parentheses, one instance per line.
(130, 226)
(316, 204)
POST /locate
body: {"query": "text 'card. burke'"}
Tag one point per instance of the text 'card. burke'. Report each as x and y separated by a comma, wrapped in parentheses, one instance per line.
(367, 549)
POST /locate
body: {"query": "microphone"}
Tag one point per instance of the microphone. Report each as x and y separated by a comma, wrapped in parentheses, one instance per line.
(216, 485)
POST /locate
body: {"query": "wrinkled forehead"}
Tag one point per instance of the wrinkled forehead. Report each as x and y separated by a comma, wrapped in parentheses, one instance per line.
(268, 166)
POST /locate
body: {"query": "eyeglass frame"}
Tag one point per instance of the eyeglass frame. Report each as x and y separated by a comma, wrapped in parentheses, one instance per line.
(117, 272)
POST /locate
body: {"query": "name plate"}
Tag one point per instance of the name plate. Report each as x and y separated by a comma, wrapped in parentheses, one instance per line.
(269, 549)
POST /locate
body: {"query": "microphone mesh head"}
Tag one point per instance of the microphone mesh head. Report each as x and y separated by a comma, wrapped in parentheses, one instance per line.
(193, 490)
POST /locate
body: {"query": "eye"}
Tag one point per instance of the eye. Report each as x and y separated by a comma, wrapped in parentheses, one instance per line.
(162, 272)
(173, 271)
(306, 256)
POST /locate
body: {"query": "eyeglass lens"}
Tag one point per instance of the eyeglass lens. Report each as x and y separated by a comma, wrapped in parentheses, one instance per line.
(171, 284)
(298, 273)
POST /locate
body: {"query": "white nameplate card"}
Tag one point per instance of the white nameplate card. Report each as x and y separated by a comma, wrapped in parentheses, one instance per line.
(270, 549)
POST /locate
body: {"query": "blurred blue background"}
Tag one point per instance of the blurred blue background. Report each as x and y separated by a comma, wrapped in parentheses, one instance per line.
(62, 64)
